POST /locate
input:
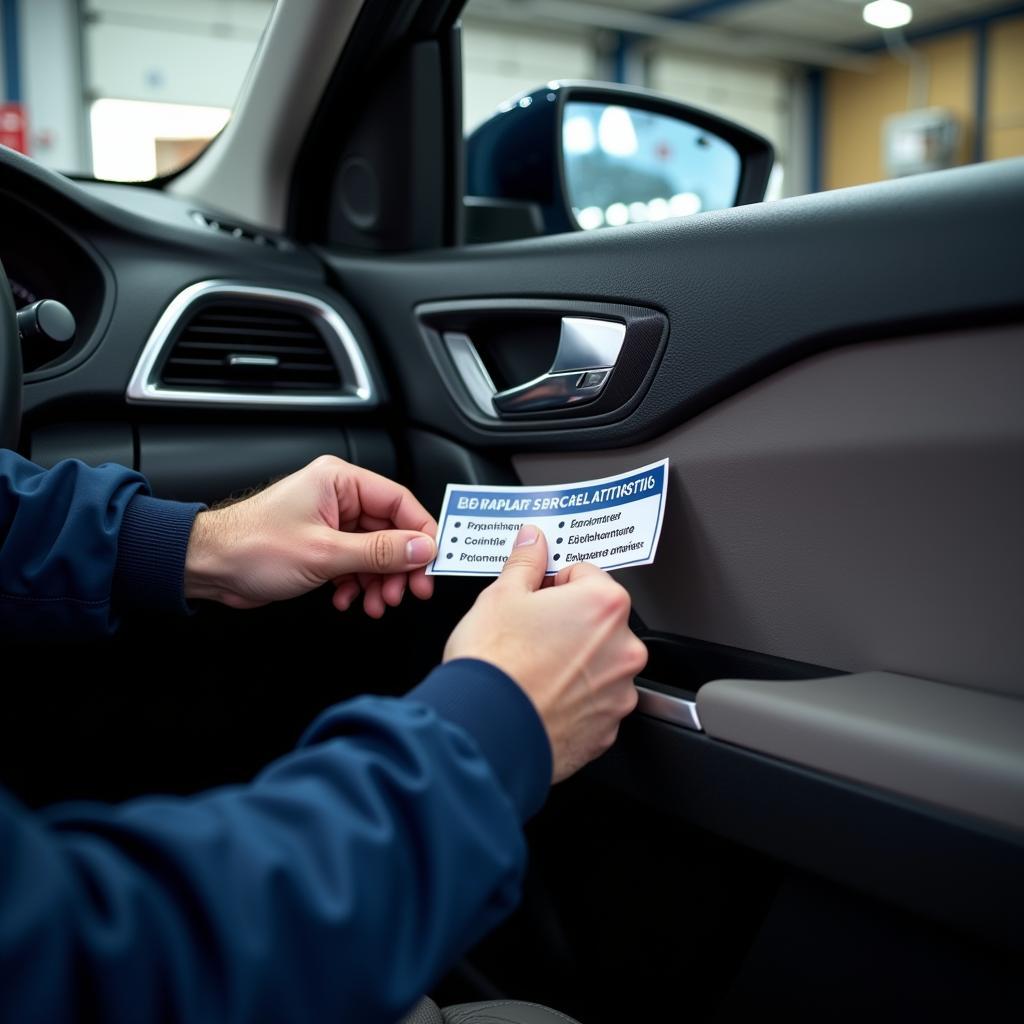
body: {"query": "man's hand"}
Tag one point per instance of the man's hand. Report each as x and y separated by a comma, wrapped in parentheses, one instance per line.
(568, 645)
(328, 522)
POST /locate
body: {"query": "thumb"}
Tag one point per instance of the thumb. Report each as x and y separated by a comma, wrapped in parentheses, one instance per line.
(526, 565)
(381, 552)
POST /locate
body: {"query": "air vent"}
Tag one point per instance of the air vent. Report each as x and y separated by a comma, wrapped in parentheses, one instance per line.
(230, 344)
(225, 227)
(250, 347)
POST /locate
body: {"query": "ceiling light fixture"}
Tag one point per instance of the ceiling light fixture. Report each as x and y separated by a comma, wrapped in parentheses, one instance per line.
(888, 13)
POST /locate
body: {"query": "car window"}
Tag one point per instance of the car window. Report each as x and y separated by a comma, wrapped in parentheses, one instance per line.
(124, 90)
(842, 100)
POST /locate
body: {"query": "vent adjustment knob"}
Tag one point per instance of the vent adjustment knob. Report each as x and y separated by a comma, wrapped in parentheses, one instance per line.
(46, 321)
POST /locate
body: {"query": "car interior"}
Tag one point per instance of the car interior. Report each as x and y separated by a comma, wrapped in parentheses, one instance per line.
(818, 807)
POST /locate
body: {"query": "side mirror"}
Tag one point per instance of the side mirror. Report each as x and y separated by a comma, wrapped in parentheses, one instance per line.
(584, 155)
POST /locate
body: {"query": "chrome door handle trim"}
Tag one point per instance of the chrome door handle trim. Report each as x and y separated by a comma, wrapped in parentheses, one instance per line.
(584, 343)
(667, 708)
(587, 344)
(471, 370)
(549, 391)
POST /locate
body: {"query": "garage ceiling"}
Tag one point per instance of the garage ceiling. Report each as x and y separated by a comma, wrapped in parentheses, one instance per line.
(825, 21)
(816, 33)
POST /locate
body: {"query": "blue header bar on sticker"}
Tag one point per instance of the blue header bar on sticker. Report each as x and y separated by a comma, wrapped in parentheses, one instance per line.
(501, 504)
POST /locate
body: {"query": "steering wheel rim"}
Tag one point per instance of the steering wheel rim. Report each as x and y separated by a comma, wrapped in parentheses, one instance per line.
(10, 368)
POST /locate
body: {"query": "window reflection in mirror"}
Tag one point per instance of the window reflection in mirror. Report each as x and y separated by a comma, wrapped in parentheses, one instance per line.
(624, 165)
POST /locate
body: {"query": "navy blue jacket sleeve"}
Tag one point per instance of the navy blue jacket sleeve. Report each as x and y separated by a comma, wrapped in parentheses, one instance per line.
(77, 543)
(338, 886)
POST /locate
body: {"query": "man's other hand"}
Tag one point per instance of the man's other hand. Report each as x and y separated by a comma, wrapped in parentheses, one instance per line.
(566, 641)
(330, 522)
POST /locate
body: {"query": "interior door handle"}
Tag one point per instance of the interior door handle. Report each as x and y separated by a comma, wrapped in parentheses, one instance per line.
(605, 357)
(587, 352)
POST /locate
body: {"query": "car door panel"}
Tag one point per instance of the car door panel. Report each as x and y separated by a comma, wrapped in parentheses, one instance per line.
(859, 509)
(951, 747)
(955, 869)
(838, 394)
(746, 291)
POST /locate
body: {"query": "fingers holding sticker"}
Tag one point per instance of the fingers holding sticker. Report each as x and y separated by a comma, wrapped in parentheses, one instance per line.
(568, 646)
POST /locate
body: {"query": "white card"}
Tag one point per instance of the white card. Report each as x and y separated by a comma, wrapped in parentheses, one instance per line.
(614, 522)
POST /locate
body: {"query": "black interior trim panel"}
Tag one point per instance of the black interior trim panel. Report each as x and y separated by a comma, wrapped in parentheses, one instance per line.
(205, 460)
(685, 664)
(746, 291)
(153, 248)
(941, 866)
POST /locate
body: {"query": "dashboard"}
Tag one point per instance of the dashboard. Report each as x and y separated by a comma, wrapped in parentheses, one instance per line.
(44, 260)
(119, 256)
(22, 294)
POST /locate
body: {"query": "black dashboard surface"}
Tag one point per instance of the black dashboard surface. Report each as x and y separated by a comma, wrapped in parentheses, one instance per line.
(745, 291)
(116, 256)
(47, 260)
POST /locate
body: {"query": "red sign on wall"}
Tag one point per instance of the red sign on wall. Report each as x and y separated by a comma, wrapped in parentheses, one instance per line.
(13, 129)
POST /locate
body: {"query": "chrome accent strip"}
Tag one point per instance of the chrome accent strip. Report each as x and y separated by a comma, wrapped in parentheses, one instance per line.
(471, 369)
(253, 361)
(552, 391)
(667, 708)
(143, 387)
(587, 344)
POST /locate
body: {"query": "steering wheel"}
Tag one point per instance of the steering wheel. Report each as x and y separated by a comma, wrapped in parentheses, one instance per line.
(10, 368)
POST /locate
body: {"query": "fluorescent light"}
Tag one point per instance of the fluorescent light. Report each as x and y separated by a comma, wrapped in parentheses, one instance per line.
(657, 208)
(617, 214)
(590, 217)
(615, 132)
(685, 204)
(638, 212)
(888, 13)
(578, 135)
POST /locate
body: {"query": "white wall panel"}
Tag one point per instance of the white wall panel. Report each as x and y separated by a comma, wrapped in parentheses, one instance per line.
(232, 16)
(501, 60)
(134, 63)
(191, 51)
(753, 94)
(757, 95)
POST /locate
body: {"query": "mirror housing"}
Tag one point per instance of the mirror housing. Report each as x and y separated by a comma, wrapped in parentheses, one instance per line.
(518, 157)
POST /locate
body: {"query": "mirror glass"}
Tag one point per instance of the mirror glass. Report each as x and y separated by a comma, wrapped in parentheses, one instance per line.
(624, 165)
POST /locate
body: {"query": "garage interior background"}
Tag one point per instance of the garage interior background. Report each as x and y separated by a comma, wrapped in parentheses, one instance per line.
(126, 89)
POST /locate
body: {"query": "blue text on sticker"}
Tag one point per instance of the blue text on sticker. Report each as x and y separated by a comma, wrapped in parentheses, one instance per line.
(635, 488)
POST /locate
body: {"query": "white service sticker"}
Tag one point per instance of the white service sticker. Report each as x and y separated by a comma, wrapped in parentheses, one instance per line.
(614, 522)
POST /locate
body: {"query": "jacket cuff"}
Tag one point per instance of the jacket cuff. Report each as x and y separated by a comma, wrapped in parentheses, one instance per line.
(151, 546)
(501, 718)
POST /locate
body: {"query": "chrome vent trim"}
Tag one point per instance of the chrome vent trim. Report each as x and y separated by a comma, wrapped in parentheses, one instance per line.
(357, 387)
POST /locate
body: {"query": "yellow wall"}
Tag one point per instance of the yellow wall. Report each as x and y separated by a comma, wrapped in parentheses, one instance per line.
(856, 104)
(1004, 130)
